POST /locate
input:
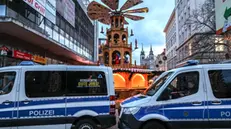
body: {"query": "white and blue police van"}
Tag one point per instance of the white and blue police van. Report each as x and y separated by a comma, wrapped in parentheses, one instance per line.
(56, 97)
(196, 96)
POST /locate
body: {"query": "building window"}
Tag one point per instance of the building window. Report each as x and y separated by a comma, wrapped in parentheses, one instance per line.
(45, 83)
(67, 43)
(75, 48)
(30, 14)
(2, 10)
(62, 40)
(55, 36)
(49, 31)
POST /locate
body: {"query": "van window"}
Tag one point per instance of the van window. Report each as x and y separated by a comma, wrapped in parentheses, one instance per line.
(85, 83)
(221, 83)
(6, 82)
(45, 83)
(184, 84)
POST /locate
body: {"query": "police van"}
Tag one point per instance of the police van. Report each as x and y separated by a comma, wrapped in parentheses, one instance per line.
(196, 96)
(56, 97)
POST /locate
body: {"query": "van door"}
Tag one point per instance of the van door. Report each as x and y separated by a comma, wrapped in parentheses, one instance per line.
(87, 92)
(8, 94)
(42, 98)
(219, 97)
(184, 100)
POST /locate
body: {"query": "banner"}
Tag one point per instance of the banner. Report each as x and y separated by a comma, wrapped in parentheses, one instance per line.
(38, 5)
(66, 8)
(39, 59)
(22, 55)
(46, 8)
(223, 15)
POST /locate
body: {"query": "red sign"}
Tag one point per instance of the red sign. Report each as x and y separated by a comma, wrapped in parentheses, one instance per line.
(37, 5)
(22, 55)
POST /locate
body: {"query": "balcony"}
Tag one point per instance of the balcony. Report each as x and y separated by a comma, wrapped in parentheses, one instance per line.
(129, 46)
(123, 29)
(14, 24)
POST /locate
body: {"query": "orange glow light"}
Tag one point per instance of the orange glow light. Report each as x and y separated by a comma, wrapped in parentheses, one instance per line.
(119, 76)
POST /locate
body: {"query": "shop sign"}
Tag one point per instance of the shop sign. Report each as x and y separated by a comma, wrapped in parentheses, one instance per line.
(38, 5)
(39, 59)
(46, 8)
(223, 15)
(22, 55)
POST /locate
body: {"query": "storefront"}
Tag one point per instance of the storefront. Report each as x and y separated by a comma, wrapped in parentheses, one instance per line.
(11, 57)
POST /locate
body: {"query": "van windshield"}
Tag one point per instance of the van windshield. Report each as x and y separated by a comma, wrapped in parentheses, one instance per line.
(157, 84)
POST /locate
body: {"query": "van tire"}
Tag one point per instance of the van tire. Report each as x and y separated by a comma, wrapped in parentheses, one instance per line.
(86, 124)
(153, 125)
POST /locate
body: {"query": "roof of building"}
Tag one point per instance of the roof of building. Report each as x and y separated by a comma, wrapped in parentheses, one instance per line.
(169, 20)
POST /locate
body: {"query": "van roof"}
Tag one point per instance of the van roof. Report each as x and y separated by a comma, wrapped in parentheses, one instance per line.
(53, 66)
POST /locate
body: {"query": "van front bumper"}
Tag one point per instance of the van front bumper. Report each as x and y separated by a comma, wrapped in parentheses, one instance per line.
(106, 121)
(129, 122)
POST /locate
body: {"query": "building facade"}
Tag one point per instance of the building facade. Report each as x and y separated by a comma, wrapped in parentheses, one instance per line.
(161, 61)
(171, 43)
(45, 32)
(183, 10)
(149, 60)
(196, 41)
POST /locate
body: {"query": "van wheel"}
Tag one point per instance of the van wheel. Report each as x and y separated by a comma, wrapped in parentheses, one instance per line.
(86, 124)
(153, 125)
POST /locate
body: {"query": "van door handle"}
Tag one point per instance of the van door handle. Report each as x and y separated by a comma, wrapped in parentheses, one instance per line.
(7, 102)
(216, 102)
(196, 103)
(26, 101)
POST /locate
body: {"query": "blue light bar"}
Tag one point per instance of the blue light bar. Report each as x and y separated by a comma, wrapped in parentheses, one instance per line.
(188, 63)
(192, 62)
(27, 63)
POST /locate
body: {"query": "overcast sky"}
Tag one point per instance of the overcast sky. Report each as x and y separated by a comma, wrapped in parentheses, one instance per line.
(150, 30)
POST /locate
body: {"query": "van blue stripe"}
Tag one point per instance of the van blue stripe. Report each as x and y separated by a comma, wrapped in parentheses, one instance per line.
(44, 102)
(2, 106)
(57, 111)
(71, 111)
(6, 114)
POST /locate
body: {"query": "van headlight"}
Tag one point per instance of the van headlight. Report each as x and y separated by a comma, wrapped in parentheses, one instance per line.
(131, 110)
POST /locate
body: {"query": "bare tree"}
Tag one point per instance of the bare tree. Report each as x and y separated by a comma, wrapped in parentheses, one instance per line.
(204, 44)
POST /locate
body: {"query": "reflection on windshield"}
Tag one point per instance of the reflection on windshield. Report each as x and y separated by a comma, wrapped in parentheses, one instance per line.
(157, 85)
